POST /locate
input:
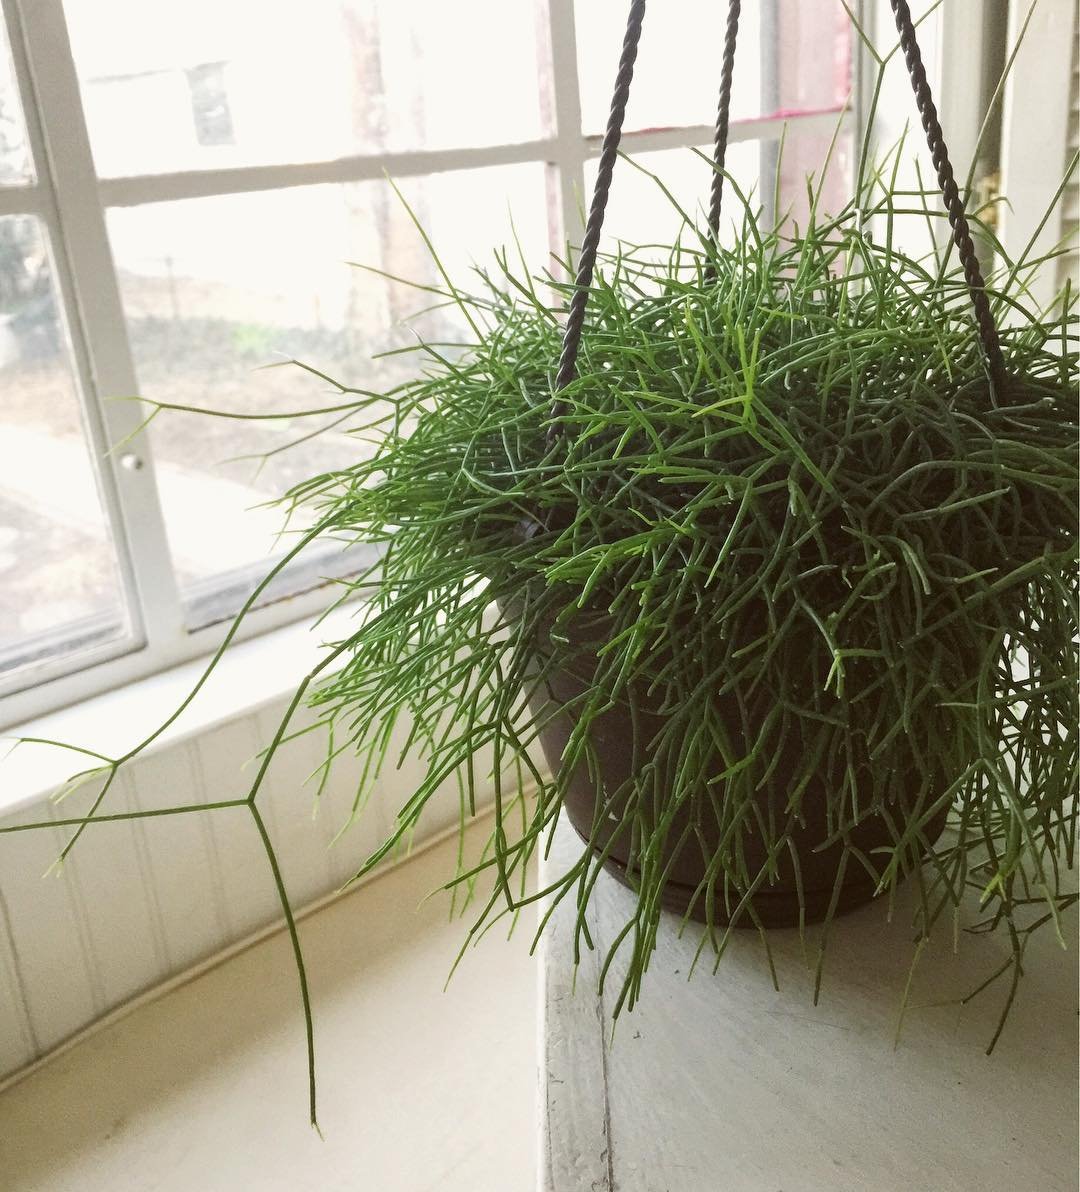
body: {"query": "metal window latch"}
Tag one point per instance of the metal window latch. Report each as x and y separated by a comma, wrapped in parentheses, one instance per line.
(985, 199)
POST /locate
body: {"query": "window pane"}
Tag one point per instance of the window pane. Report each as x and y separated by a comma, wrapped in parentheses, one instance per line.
(808, 155)
(14, 152)
(59, 588)
(214, 83)
(793, 56)
(640, 213)
(215, 287)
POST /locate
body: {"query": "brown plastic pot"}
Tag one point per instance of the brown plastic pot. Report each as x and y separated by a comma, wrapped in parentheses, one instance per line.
(776, 904)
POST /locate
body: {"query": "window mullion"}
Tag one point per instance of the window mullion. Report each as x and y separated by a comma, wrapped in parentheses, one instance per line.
(21, 200)
(90, 293)
(565, 104)
(134, 190)
(863, 69)
(769, 75)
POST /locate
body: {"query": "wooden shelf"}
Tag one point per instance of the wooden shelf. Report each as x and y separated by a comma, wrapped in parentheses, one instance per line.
(722, 1083)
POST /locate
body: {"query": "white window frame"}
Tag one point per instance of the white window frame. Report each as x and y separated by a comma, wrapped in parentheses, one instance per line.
(71, 202)
(1036, 134)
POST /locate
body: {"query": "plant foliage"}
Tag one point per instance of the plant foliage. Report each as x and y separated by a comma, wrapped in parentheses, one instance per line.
(784, 480)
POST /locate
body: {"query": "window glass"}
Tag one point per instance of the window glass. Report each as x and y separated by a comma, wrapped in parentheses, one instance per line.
(14, 152)
(215, 83)
(792, 56)
(214, 288)
(807, 155)
(59, 588)
(640, 213)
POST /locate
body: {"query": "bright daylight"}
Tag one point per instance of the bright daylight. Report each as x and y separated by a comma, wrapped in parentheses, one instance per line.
(539, 636)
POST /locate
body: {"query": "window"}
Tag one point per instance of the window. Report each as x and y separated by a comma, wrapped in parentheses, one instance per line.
(182, 187)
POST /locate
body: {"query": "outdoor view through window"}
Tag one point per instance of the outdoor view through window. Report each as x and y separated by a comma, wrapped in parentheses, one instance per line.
(182, 205)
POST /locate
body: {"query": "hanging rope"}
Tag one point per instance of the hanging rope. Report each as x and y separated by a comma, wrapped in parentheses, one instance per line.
(575, 319)
(935, 139)
(720, 143)
(954, 204)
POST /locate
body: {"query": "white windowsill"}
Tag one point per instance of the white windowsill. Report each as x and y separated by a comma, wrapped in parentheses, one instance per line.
(251, 674)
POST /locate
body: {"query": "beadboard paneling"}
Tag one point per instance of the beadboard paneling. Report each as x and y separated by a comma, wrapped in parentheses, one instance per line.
(140, 901)
(46, 934)
(225, 769)
(399, 782)
(18, 1045)
(349, 841)
(113, 901)
(299, 826)
(183, 882)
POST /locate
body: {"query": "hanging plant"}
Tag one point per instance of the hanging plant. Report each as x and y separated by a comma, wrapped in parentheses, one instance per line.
(778, 573)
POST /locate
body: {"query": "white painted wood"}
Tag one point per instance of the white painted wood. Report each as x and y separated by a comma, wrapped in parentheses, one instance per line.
(225, 770)
(250, 675)
(561, 101)
(1035, 133)
(897, 117)
(192, 184)
(107, 678)
(113, 905)
(288, 798)
(205, 1089)
(290, 795)
(141, 901)
(149, 893)
(963, 39)
(50, 951)
(18, 1046)
(739, 132)
(1069, 265)
(185, 895)
(16, 200)
(719, 1082)
(573, 1146)
(349, 839)
(399, 782)
(93, 312)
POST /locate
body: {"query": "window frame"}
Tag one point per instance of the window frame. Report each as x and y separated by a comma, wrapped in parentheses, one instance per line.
(71, 202)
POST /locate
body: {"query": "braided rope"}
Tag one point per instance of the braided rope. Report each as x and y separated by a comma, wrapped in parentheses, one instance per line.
(954, 204)
(935, 140)
(720, 142)
(575, 319)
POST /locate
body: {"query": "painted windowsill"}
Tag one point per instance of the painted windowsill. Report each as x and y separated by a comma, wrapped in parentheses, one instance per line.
(251, 674)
